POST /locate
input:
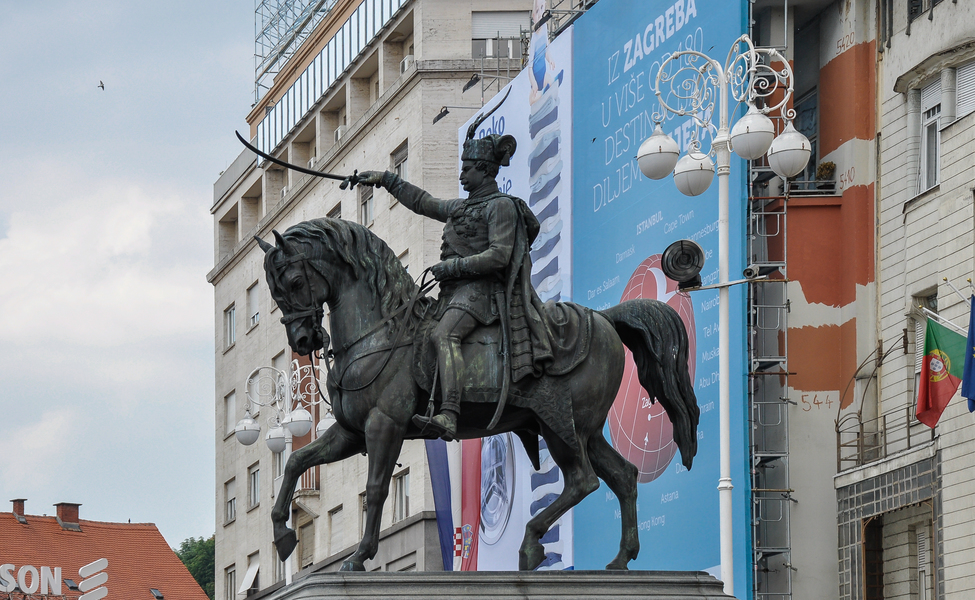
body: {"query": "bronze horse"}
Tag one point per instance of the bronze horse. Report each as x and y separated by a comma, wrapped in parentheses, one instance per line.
(375, 310)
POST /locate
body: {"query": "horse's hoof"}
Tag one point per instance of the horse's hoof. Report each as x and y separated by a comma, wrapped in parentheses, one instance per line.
(285, 543)
(351, 565)
(618, 565)
(529, 559)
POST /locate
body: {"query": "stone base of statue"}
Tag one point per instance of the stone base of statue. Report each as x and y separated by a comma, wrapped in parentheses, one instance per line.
(465, 585)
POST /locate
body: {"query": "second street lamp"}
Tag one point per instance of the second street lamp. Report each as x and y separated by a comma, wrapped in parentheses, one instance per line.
(694, 83)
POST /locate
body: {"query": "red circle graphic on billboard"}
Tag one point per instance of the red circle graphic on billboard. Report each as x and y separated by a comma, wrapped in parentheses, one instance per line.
(641, 431)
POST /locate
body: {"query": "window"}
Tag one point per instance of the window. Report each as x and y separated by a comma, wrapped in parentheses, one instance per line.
(404, 259)
(277, 467)
(807, 123)
(401, 495)
(497, 34)
(336, 212)
(282, 362)
(363, 507)
(915, 8)
(230, 501)
(930, 302)
(399, 160)
(230, 583)
(253, 486)
(230, 326)
(306, 541)
(279, 567)
(252, 578)
(253, 307)
(965, 89)
(365, 205)
(930, 135)
(335, 529)
(230, 412)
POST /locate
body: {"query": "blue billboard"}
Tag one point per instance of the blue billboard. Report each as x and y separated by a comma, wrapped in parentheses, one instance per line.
(622, 222)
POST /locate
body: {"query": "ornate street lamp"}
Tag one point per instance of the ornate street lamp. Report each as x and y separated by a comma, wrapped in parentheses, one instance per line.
(692, 81)
(287, 398)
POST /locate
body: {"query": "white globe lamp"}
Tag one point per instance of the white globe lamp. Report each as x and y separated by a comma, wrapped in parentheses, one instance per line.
(247, 430)
(658, 154)
(276, 439)
(752, 134)
(693, 173)
(789, 152)
(327, 421)
(298, 422)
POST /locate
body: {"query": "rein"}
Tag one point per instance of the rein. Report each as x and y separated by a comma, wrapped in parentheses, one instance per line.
(329, 357)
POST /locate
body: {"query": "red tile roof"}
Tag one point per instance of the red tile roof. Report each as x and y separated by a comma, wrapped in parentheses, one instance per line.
(138, 556)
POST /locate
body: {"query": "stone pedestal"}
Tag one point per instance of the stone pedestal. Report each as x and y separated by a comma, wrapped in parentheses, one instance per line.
(544, 585)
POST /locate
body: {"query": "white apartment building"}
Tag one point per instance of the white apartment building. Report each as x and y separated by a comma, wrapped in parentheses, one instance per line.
(905, 491)
(359, 93)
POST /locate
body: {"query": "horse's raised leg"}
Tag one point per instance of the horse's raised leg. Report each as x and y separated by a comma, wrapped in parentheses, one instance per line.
(620, 475)
(334, 445)
(580, 481)
(384, 439)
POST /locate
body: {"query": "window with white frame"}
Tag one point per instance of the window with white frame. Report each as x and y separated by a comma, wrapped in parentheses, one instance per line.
(230, 501)
(230, 412)
(252, 577)
(253, 306)
(930, 135)
(230, 326)
(253, 486)
(365, 205)
(401, 496)
(230, 583)
(336, 212)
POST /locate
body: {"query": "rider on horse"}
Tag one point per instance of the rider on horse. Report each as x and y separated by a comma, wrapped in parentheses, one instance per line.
(484, 273)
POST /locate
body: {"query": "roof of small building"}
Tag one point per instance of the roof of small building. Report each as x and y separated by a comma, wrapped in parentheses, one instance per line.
(138, 556)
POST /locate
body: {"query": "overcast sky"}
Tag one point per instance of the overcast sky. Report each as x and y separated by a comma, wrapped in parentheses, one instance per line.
(106, 318)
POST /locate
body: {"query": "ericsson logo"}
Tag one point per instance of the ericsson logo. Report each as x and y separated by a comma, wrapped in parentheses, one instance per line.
(93, 577)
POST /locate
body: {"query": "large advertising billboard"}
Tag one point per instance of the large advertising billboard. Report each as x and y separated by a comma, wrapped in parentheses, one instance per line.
(622, 222)
(501, 490)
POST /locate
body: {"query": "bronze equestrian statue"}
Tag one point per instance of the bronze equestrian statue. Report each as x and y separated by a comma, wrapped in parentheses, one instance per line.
(505, 361)
(484, 273)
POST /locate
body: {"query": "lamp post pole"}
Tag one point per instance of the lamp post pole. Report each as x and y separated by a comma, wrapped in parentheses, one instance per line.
(692, 81)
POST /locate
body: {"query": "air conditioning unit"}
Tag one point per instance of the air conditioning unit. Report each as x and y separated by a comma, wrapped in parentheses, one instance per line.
(284, 192)
(311, 162)
(339, 133)
(406, 63)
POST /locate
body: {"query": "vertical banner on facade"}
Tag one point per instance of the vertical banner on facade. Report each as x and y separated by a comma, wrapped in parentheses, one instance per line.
(537, 113)
(622, 222)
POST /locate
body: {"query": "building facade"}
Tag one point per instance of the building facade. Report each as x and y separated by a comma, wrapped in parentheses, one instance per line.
(360, 93)
(904, 489)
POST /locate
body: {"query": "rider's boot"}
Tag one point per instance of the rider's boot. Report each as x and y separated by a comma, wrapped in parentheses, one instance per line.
(443, 424)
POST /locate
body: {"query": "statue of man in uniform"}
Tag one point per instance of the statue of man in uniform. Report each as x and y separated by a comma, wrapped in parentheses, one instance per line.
(484, 270)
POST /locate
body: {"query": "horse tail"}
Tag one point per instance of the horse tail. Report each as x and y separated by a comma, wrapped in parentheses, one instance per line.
(655, 334)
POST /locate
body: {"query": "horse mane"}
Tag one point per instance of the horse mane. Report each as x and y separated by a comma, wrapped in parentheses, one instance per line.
(368, 256)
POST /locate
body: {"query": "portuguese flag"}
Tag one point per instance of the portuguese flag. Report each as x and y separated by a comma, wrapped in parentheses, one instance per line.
(941, 371)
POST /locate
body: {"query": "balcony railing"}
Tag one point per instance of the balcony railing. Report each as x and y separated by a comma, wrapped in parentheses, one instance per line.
(863, 441)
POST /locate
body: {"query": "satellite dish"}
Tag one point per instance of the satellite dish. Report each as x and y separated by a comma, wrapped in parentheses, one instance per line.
(682, 261)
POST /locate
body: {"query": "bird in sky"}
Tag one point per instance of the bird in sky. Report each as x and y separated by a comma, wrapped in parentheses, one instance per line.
(101, 85)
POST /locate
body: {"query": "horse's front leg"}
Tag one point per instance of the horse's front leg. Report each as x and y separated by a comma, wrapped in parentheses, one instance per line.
(335, 444)
(384, 439)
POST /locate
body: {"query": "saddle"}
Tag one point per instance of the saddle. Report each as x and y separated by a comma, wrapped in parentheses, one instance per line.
(570, 328)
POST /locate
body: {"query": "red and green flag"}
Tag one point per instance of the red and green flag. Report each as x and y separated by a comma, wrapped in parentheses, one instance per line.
(941, 371)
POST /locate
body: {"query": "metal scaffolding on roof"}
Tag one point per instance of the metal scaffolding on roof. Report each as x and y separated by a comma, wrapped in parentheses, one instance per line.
(280, 27)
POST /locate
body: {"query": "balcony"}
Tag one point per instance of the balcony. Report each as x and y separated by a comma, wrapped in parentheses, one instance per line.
(863, 441)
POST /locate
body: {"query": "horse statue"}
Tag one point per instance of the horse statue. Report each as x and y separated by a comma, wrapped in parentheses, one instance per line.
(379, 379)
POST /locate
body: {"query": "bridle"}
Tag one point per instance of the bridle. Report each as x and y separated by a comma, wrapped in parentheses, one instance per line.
(330, 355)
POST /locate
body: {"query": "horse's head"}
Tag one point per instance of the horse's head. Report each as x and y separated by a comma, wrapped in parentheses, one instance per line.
(299, 290)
